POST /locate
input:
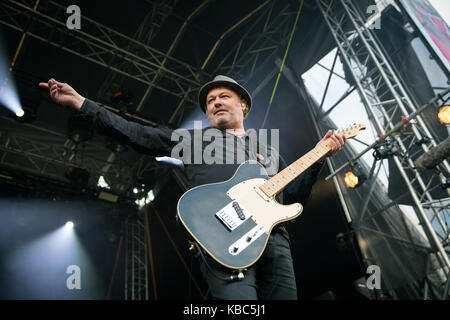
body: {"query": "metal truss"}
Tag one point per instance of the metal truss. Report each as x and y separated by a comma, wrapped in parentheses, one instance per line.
(241, 62)
(267, 32)
(21, 150)
(144, 34)
(146, 31)
(100, 44)
(395, 116)
(134, 58)
(136, 258)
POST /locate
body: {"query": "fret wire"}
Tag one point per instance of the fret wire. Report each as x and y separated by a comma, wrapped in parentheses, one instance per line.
(274, 183)
(288, 172)
(277, 182)
(284, 177)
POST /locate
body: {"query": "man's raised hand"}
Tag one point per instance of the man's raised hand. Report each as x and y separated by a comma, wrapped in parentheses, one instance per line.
(63, 94)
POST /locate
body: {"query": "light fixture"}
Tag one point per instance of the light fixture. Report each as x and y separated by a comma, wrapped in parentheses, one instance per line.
(351, 180)
(355, 176)
(69, 225)
(429, 160)
(149, 197)
(25, 114)
(20, 113)
(444, 114)
(102, 183)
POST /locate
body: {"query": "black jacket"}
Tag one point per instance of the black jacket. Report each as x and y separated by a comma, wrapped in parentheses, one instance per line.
(160, 141)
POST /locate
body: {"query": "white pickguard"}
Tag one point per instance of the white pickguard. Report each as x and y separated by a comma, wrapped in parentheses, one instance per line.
(265, 212)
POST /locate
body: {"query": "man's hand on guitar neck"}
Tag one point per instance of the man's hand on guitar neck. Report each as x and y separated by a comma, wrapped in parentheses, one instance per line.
(335, 141)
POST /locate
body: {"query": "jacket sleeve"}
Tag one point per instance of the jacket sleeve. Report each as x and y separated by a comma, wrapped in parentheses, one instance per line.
(153, 141)
(300, 189)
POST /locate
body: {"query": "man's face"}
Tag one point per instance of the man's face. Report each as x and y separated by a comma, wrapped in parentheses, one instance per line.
(224, 108)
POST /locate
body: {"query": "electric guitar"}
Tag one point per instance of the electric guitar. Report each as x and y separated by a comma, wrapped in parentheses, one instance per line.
(232, 220)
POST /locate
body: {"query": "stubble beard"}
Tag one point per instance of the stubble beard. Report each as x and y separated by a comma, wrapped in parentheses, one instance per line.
(221, 122)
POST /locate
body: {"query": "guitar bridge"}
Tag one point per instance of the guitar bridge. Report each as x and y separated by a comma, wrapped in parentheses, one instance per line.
(233, 215)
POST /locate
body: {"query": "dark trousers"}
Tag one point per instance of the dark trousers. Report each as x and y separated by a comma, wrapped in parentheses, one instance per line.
(271, 277)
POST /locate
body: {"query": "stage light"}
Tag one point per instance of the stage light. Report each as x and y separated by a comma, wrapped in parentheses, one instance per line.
(429, 160)
(69, 225)
(351, 180)
(355, 177)
(444, 114)
(9, 97)
(38, 265)
(102, 183)
(20, 113)
(146, 199)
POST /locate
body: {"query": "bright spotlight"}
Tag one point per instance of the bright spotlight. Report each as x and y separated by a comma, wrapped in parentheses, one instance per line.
(145, 200)
(20, 113)
(8, 93)
(444, 114)
(102, 183)
(69, 225)
(351, 180)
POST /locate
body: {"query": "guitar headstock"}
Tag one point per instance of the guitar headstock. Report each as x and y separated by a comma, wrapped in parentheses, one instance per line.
(351, 131)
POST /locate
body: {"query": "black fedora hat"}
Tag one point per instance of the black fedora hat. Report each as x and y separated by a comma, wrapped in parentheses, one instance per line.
(223, 81)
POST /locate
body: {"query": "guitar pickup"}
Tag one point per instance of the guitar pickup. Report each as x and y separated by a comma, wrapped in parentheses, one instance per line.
(238, 210)
(233, 215)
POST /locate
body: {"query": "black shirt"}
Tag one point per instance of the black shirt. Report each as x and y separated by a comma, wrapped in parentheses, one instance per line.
(161, 141)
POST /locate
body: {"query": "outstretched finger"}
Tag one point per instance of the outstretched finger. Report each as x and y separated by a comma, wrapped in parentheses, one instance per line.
(43, 84)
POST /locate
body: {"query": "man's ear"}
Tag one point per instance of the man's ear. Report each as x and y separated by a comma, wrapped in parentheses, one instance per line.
(243, 103)
(244, 107)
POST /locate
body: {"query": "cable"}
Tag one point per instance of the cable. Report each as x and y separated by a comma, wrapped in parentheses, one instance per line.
(282, 63)
(232, 277)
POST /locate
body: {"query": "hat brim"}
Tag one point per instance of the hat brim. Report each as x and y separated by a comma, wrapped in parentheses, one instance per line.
(222, 83)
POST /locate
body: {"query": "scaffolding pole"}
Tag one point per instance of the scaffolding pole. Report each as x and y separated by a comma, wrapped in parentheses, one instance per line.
(136, 258)
(384, 97)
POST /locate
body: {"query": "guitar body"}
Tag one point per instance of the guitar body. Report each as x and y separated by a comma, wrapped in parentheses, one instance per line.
(232, 220)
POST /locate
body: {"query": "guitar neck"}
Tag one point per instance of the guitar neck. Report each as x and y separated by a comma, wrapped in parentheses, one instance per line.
(278, 182)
